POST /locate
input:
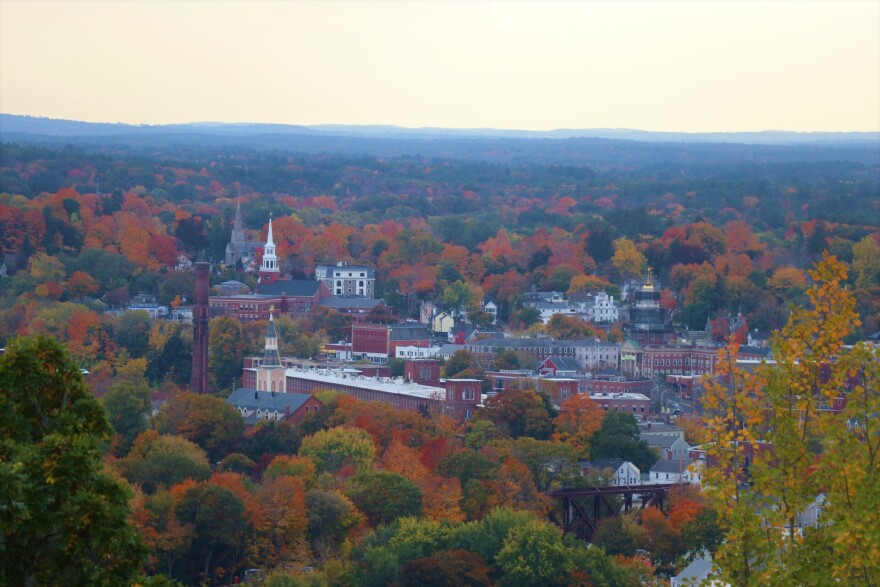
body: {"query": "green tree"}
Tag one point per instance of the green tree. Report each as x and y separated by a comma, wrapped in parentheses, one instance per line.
(396, 366)
(128, 407)
(505, 359)
(131, 330)
(461, 295)
(218, 517)
(523, 317)
(155, 461)
(866, 262)
(447, 568)
(208, 421)
(339, 447)
(384, 496)
(63, 519)
(618, 437)
(226, 350)
(552, 464)
(459, 361)
(619, 535)
(535, 555)
(331, 516)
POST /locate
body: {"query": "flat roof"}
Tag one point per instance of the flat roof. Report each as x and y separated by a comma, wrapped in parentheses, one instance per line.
(383, 384)
(621, 395)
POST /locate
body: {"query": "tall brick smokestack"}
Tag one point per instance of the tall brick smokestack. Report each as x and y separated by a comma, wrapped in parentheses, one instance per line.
(199, 382)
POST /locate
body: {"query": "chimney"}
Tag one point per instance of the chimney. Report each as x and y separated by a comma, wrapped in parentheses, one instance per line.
(199, 378)
(256, 394)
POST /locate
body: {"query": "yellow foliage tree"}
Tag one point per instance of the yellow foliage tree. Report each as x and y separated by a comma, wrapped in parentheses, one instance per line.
(779, 446)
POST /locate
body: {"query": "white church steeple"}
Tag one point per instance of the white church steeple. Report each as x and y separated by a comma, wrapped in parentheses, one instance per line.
(269, 270)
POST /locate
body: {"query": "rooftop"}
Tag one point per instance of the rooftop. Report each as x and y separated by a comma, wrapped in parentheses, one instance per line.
(356, 379)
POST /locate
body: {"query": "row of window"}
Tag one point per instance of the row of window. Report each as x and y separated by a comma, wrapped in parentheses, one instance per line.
(641, 409)
(661, 362)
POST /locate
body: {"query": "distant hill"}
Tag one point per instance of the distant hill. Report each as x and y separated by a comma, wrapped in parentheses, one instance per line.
(563, 146)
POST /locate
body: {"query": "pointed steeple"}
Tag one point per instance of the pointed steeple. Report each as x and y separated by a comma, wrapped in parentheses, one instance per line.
(270, 356)
(238, 224)
(237, 248)
(269, 270)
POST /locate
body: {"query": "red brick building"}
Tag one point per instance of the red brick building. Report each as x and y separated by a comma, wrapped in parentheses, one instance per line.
(457, 398)
(378, 342)
(286, 296)
(631, 403)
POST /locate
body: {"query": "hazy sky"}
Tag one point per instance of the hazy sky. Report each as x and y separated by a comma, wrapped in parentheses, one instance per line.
(698, 65)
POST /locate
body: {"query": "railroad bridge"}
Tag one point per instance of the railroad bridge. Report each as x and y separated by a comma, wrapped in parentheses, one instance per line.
(583, 508)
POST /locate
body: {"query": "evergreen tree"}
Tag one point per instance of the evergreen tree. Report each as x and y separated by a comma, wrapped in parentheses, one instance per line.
(63, 519)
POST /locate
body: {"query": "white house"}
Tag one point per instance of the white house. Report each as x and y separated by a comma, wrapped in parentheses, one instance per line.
(621, 472)
(417, 352)
(669, 471)
(491, 308)
(592, 354)
(343, 279)
(604, 308)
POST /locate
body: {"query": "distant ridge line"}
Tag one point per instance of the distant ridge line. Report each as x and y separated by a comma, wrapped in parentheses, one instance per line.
(12, 125)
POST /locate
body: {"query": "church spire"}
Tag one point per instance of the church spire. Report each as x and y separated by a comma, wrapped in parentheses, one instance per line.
(238, 224)
(237, 248)
(270, 356)
(269, 269)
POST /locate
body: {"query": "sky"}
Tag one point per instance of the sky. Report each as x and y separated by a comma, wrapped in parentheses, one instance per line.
(687, 66)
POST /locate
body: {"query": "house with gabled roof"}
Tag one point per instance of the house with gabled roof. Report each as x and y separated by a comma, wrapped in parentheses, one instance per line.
(667, 447)
(256, 406)
(670, 471)
(490, 306)
(614, 471)
(559, 367)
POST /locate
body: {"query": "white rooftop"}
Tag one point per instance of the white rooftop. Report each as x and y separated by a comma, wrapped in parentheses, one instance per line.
(384, 384)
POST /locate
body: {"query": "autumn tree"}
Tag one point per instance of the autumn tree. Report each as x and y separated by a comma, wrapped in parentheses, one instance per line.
(331, 515)
(163, 461)
(63, 518)
(627, 259)
(339, 447)
(505, 359)
(208, 421)
(568, 327)
(579, 418)
(866, 262)
(807, 449)
(283, 500)
(519, 412)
